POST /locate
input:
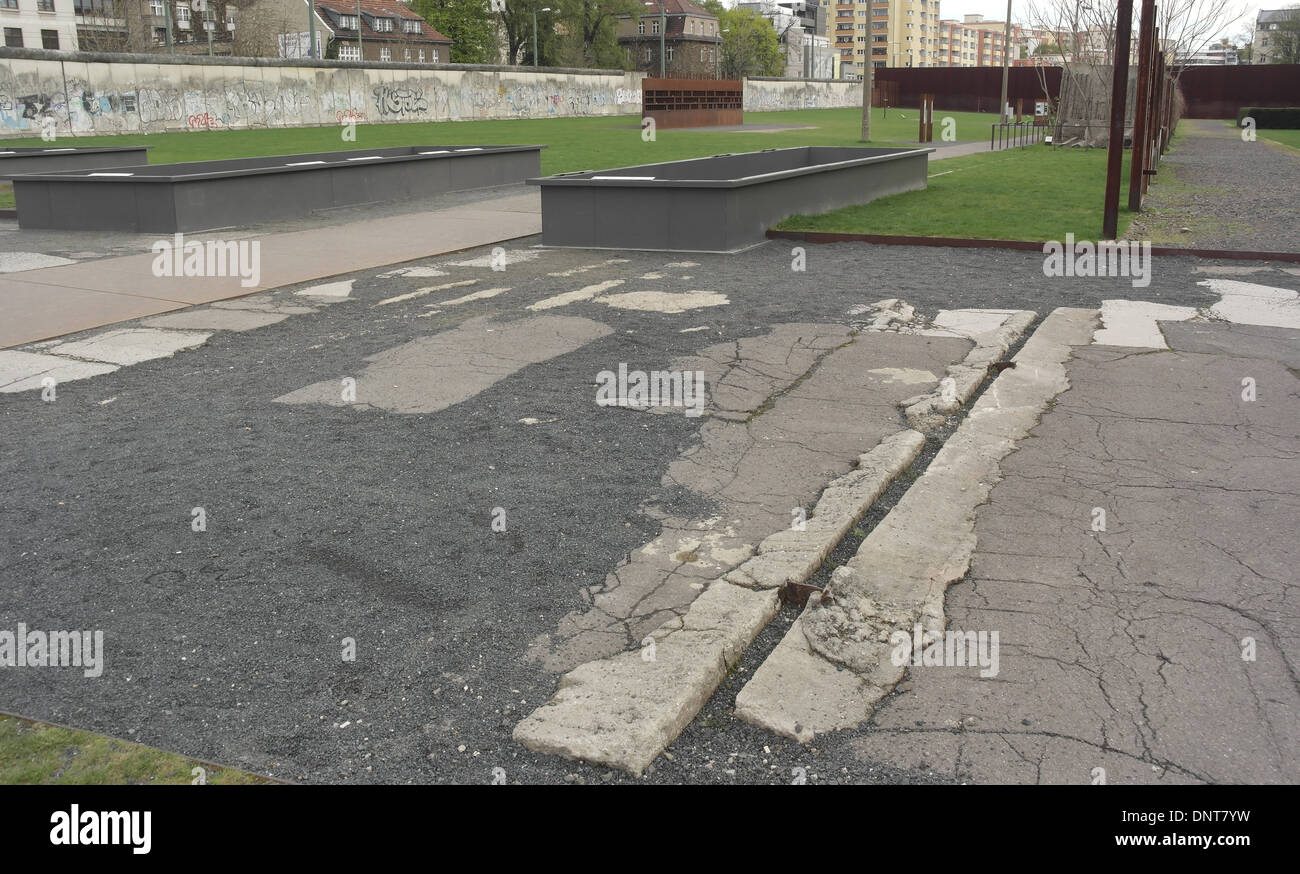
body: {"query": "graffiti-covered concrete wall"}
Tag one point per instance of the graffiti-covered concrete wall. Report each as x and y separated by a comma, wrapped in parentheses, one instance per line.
(88, 94)
(771, 95)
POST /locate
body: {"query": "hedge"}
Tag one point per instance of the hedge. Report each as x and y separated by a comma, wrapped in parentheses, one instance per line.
(1271, 117)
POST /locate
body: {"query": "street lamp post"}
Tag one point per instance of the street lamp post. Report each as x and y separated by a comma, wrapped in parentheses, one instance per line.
(535, 11)
(1006, 62)
(717, 53)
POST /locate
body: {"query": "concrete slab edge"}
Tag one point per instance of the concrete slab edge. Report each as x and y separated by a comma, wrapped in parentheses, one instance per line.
(622, 711)
(834, 664)
(928, 411)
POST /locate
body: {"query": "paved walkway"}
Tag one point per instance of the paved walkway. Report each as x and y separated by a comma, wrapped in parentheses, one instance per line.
(47, 302)
(1214, 190)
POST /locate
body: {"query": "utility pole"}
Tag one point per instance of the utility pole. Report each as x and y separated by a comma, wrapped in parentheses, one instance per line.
(867, 73)
(361, 52)
(1006, 63)
(311, 29)
(663, 35)
(1118, 96)
(537, 63)
(167, 13)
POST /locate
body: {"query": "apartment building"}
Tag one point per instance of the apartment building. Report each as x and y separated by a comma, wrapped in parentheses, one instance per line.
(142, 25)
(39, 24)
(974, 42)
(897, 33)
(801, 31)
(1276, 40)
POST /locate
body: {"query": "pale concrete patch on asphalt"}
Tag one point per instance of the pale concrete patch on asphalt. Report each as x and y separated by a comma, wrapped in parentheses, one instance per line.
(903, 374)
(834, 664)
(587, 268)
(421, 292)
(789, 411)
(16, 262)
(432, 373)
(216, 319)
(664, 301)
(967, 322)
(413, 273)
(512, 256)
(1248, 303)
(1133, 323)
(330, 290)
(132, 345)
(1231, 270)
(264, 303)
(623, 710)
(586, 293)
(478, 295)
(23, 371)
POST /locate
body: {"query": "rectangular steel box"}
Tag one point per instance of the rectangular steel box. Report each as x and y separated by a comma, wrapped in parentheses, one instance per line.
(679, 103)
(18, 161)
(204, 195)
(721, 204)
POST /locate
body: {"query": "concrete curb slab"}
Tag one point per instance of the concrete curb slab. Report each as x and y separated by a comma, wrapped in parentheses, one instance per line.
(624, 710)
(834, 663)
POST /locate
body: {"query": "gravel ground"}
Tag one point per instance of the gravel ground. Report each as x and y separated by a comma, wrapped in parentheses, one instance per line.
(1215, 191)
(324, 523)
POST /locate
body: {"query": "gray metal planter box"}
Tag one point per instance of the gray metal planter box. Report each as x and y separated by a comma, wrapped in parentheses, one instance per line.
(719, 204)
(202, 195)
(53, 159)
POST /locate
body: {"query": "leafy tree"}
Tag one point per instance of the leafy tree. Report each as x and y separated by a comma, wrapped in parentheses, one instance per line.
(1284, 42)
(590, 27)
(750, 46)
(466, 23)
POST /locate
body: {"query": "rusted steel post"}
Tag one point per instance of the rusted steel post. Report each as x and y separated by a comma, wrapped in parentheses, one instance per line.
(1141, 127)
(1118, 98)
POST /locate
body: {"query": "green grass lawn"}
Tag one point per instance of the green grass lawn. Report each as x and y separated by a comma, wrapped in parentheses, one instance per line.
(1033, 193)
(37, 753)
(572, 143)
(1289, 138)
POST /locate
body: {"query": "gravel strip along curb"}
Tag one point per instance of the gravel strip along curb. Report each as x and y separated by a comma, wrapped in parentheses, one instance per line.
(624, 710)
(834, 664)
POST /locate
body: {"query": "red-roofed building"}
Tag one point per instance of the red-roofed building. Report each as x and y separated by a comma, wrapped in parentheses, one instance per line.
(691, 40)
(388, 31)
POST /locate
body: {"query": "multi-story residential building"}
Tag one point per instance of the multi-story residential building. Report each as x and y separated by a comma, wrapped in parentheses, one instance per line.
(142, 25)
(974, 42)
(1219, 54)
(893, 33)
(690, 38)
(1275, 37)
(39, 24)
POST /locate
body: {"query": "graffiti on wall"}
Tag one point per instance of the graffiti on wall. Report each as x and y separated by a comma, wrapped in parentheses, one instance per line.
(399, 100)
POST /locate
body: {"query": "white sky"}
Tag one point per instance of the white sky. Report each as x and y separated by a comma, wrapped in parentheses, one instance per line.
(996, 10)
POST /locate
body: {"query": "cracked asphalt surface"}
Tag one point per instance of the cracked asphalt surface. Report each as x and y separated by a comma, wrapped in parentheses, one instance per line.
(327, 522)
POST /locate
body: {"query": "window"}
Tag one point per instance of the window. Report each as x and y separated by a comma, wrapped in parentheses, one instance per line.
(160, 35)
(44, 5)
(348, 22)
(421, 56)
(654, 26)
(156, 8)
(410, 25)
(182, 16)
(14, 37)
(349, 53)
(383, 25)
(230, 18)
(647, 54)
(9, 4)
(640, 27)
(49, 39)
(670, 53)
(406, 55)
(435, 56)
(385, 54)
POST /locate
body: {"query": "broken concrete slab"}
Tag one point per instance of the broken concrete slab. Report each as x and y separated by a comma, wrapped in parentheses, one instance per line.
(24, 371)
(619, 712)
(432, 373)
(216, 319)
(131, 345)
(826, 673)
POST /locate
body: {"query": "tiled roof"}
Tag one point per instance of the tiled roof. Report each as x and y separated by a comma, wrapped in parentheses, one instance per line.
(333, 10)
(679, 7)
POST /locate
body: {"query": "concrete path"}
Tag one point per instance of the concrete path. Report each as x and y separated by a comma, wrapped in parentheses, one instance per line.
(37, 304)
(1216, 190)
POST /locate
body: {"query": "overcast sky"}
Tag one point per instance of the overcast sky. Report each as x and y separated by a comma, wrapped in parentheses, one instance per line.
(995, 10)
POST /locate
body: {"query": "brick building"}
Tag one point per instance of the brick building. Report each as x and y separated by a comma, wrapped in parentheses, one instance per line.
(691, 40)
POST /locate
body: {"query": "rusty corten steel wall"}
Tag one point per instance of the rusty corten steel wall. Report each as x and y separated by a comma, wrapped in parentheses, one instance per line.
(676, 103)
(1218, 92)
(970, 89)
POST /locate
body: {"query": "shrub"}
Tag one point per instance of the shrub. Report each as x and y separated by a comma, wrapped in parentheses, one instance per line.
(1271, 117)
